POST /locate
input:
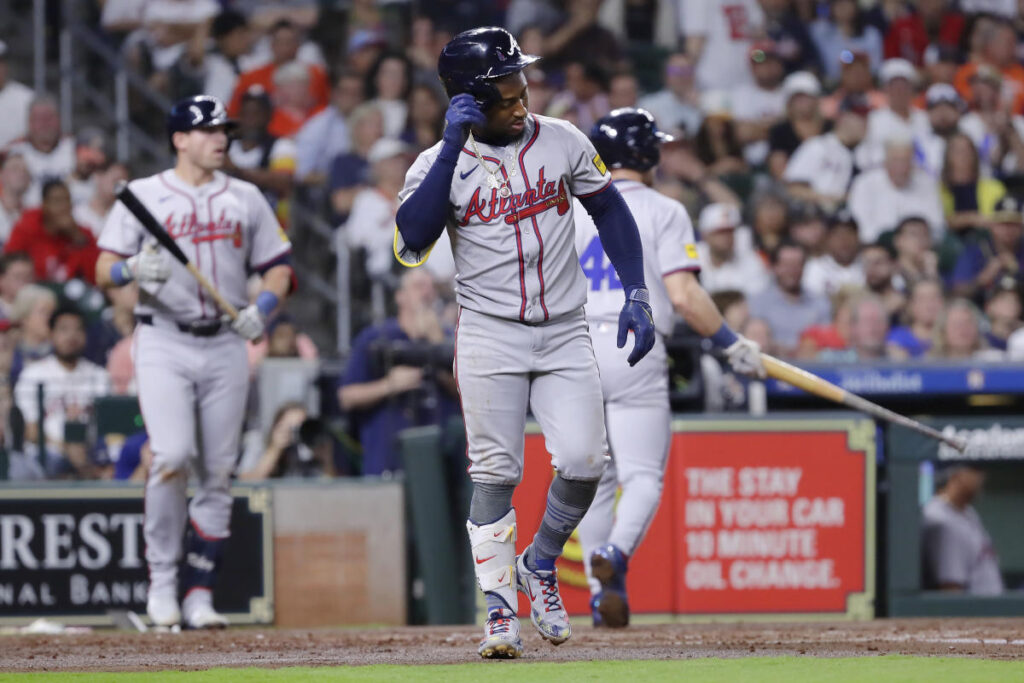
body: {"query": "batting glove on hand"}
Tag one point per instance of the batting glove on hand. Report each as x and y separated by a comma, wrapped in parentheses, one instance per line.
(744, 356)
(149, 265)
(636, 315)
(249, 323)
(463, 112)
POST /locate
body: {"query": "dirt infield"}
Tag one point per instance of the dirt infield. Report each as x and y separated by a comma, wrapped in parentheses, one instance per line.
(122, 651)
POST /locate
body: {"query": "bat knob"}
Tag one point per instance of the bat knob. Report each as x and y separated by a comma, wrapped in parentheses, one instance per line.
(120, 187)
(957, 442)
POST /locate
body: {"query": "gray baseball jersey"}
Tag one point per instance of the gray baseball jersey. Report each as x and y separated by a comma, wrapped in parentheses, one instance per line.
(514, 256)
(225, 227)
(669, 246)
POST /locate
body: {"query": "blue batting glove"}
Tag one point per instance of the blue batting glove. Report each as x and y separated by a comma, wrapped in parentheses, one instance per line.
(463, 112)
(636, 316)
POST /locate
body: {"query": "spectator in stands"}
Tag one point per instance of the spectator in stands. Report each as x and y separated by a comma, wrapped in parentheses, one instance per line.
(944, 108)
(832, 336)
(60, 248)
(724, 266)
(16, 271)
(783, 25)
(90, 155)
(285, 453)
(998, 52)
(770, 223)
(822, 168)
(1003, 310)
(930, 22)
(717, 143)
(994, 261)
(855, 80)
(92, 215)
(371, 223)
(46, 152)
(134, 459)
(259, 156)
(422, 49)
(388, 85)
(542, 91)
(958, 334)
(575, 38)
(326, 135)
(426, 117)
(807, 228)
(676, 107)
(349, 172)
(293, 99)
(284, 46)
(282, 340)
(213, 70)
(623, 90)
(913, 339)
(585, 97)
(968, 199)
(15, 99)
(940, 66)
(996, 132)
(114, 326)
(30, 312)
(784, 304)
(956, 551)
(718, 36)
(398, 375)
(869, 326)
(838, 266)
(880, 198)
(760, 330)
(732, 304)
(899, 118)
(758, 105)
(71, 384)
(14, 182)
(802, 122)
(880, 278)
(916, 260)
(845, 31)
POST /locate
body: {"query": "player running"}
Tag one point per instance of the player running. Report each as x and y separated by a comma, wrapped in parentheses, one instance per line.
(636, 402)
(190, 365)
(502, 182)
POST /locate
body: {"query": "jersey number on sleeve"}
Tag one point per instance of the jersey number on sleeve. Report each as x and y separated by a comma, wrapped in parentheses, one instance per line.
(597, 268)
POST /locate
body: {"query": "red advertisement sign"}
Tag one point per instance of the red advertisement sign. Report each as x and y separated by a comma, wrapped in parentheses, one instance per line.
(757, 517)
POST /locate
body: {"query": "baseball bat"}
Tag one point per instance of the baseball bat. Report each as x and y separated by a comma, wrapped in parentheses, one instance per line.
(149, 222)
(817, 386)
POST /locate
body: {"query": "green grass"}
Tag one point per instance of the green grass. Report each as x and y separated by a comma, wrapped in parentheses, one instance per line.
(754, 669)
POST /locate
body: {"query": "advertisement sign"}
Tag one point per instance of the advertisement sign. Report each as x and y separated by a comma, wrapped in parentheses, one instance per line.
(758, 517)
(73, 553)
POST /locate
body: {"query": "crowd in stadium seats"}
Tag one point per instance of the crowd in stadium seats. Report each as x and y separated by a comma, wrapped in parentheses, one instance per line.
(854, 169)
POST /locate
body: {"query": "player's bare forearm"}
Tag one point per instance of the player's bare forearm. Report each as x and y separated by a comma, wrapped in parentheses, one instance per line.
(691, 300)
(278, 281)
(364, 395)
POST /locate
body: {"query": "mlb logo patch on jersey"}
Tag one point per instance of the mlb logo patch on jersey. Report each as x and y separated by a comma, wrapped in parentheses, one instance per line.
(599, 164)
(691, 250)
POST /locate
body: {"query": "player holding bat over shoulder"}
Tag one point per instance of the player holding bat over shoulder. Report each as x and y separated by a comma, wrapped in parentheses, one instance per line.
(190, 359)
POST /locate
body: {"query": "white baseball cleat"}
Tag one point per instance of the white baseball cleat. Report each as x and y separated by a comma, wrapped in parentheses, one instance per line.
(163, 610)
(501, 635)
(199, 612)
(546, 609)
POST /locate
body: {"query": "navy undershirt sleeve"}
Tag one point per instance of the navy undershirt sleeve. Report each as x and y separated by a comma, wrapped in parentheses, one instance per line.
(619, 235)
(422, 216)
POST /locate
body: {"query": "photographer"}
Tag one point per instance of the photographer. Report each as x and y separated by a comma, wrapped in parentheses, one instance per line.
(399, 374)
(296, 447)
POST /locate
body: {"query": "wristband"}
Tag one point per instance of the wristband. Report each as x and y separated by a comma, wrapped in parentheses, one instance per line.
(639, 294)
(724, 338)
(120, 273)
(266, 302)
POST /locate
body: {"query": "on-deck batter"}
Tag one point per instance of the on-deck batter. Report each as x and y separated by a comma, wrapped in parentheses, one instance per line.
(636, 399)
(190, 365)
(505, 195)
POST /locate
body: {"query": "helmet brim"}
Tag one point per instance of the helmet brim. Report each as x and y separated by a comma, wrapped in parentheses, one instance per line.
(507, 68)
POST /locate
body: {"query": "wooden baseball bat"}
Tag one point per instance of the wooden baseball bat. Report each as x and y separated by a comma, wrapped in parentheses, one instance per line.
(149, 222)
(813, 384)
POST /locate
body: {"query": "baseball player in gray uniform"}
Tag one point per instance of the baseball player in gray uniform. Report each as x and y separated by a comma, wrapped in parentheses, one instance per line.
(502, 182)
(636, 400)
(190, 365)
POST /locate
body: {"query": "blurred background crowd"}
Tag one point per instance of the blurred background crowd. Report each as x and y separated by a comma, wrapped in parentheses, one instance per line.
(854, 170)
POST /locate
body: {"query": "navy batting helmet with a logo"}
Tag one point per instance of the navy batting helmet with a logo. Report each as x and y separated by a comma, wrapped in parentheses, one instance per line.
(628, 138)
(473, 59)
(200, 111)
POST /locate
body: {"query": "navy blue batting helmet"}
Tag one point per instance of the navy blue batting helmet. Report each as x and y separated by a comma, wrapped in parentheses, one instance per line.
(473, 59)
(628, 138)
(200, 111)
